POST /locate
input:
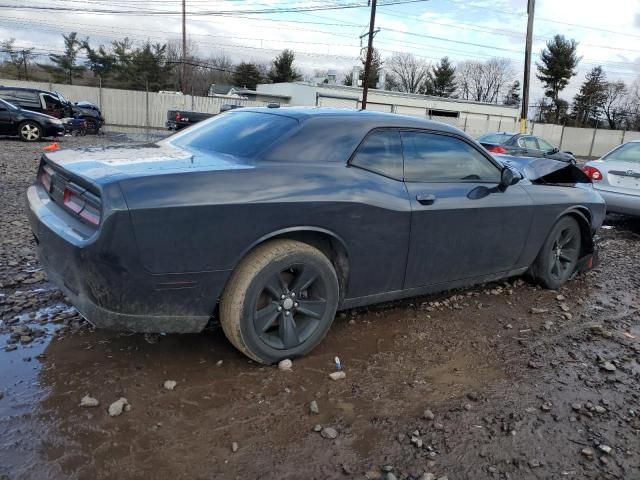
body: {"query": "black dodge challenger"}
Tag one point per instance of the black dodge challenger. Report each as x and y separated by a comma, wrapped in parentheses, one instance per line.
(272, 219)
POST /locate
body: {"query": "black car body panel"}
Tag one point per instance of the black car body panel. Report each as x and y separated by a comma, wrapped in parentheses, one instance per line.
(179, 119)
(177, 219)
(523, 145)
(11, 117)
(52, 103)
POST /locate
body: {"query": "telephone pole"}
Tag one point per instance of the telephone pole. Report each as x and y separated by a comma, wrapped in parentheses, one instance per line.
(184, 46)
(367, 65)
(527, 67)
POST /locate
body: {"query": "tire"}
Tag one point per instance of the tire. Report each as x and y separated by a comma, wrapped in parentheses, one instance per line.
(92, 126)
(30, 131)
(262, 324)
(559, 255)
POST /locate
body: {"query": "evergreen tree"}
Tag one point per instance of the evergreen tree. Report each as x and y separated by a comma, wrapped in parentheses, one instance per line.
(282, 69)
(66, 68)
(558, 62)
(441, 80)
(513, 95)
(247, 75)
(589, 101)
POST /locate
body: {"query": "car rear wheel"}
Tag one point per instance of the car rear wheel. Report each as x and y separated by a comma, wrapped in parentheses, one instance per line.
(280, 301)
(92, 127)
(560, 253)
(30, 131)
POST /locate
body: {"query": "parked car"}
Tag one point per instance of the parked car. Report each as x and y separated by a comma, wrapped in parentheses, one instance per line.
(616, 176)
(179, 119)
(54, 104)
(283, 216)
(523, 146)
(29, 126)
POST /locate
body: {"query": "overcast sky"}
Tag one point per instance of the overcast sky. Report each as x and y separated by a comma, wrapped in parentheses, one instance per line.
(608, 32)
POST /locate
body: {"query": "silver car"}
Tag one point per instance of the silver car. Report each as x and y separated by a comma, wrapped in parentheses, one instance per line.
(616, 177)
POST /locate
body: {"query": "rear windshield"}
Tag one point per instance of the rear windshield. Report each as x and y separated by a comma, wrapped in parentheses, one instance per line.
(496, 138)
(629, 152)
(242, 134)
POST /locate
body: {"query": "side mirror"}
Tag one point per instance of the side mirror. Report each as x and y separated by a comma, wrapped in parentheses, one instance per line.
(507, 178)
(554, 150)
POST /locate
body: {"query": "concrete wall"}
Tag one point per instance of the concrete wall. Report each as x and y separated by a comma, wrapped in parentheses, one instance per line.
(135, 108)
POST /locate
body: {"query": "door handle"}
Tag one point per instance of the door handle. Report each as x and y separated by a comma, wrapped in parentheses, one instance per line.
(426, 198)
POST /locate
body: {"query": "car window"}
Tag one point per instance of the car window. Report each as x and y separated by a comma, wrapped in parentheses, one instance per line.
(528, 142)
(438, 158)
(629, 152)
(496, 138)
(544, 145)
(243, 134)
(381, 152)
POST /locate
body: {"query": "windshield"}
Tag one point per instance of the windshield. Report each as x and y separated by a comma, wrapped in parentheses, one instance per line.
(497, 138)
(242, 134)
(61, 97)
(10, 106)
(629, 152)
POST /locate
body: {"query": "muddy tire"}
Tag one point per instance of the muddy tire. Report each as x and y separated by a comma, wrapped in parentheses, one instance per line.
(559, 255)
(92, 127)
(280, 301)
(30, 131)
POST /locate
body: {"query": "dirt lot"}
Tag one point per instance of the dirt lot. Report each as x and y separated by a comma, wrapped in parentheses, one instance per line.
(505, 381)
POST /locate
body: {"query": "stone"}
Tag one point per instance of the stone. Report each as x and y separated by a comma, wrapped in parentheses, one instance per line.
(588, 452)
(391, 476)
(417, 442)
(117, 407)
(170, 384)
(534, 463)
(329, 433)
(317, 428)
(11, 347)
(539, 311)
(89, 402)
(285, 365)
(428, 476)
(339, 375)
(438, 426)
(234, 447)
(576, 407)
(605, 449)
(26, 339)
(608, 366)
(313, 407)
(428, 414)
(599, 409)
(564, 307)
(560, 298)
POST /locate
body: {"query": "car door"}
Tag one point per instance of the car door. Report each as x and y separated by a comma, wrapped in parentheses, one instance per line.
(5, 120)
(455, 235)
(529, 146)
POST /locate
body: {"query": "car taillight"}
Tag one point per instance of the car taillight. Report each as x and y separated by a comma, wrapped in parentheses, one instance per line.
(497, 149)
(178, 116)
(45, 179)
(593, 173)
(82, 204)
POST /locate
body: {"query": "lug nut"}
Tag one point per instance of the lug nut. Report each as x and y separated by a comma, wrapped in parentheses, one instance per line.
(282, 296)
(295, 304)
(287, 312)
(279, 309)
(293, 294)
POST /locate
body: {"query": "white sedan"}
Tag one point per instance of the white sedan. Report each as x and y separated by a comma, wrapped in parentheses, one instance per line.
(616, 176)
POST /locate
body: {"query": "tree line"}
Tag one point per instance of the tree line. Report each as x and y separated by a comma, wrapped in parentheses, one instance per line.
(160, 66)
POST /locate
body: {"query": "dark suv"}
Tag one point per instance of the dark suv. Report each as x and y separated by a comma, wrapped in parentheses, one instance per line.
(54, 104)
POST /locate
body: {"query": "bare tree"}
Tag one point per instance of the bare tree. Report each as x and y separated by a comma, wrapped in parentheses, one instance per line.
(484, 81)
(408, 72)
(616, 103)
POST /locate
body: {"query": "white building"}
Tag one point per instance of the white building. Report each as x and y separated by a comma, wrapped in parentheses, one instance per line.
(475, 118)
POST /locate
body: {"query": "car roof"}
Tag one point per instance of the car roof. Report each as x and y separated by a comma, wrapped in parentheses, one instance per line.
(25, 89)
(374, 119)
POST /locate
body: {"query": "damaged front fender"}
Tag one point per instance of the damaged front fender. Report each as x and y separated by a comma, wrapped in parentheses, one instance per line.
(546, 171)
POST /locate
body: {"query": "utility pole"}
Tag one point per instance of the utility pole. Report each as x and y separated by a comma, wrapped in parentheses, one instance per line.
(184, 46)
(367, 65)
(24, 60)
(527, 67)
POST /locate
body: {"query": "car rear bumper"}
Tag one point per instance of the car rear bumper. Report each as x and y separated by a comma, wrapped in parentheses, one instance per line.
(108, 294)
(620, 202)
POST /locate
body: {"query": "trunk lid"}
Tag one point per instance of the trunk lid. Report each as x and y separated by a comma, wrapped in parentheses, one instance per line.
(109, 163)
(618, 176)
(545, 170)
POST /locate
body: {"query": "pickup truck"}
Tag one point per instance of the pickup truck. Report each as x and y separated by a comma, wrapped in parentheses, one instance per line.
(178, 119)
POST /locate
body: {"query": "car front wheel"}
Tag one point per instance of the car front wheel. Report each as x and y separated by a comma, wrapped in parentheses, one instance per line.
(30, 131)
(280, 301)
(559, 255)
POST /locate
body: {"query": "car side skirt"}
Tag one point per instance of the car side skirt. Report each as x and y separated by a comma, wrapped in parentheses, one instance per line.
(427, 289)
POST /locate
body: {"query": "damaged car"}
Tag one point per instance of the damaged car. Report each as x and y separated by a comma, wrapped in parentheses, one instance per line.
(269, 220)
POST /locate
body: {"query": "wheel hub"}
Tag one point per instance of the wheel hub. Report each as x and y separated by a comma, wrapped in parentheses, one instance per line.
(287, 303)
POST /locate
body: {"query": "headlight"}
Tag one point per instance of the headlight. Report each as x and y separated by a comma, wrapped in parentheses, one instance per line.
(55, 121)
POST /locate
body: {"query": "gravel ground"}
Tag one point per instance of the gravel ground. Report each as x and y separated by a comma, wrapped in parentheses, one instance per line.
(503, 381)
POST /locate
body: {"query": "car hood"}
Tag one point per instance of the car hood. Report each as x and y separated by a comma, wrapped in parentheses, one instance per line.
(545, 170)
(107, 163)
